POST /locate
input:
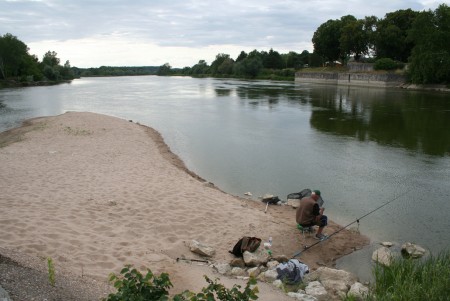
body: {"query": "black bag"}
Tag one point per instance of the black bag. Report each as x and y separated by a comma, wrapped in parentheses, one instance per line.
(246, 243)
(271, 200)
(299, 195)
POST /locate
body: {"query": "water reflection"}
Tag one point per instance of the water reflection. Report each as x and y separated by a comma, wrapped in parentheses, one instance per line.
(415, 121)
(410, 120)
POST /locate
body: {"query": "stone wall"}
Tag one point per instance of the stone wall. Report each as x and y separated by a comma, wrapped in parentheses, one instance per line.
(351, 79)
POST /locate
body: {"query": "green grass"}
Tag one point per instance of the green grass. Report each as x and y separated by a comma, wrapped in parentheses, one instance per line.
(408, 279)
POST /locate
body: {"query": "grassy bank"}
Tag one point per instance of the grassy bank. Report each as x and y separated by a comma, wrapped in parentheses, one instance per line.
(408, 279)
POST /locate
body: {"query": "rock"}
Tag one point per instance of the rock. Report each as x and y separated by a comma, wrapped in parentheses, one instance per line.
(294, 203)
(237, 262)
(336, 282)
(248, 193)
(301, 297)
(278, 284)
(317, 290)
(272, 264)
(411, 250)
(254, 272)
(257, 258)
(387, 244)
(327, 274)
(4, 295)
(270, 275)
(383, 256)
(359, 291)
(238, 272)
(201, 249)
(223, 268)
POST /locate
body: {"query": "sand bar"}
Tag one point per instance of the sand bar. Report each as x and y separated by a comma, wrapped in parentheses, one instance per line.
(95, 192)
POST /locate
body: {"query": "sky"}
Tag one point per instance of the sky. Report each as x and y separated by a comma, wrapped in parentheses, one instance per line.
(94, 33)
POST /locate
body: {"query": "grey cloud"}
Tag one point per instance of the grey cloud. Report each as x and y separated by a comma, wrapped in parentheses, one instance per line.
(185, 23)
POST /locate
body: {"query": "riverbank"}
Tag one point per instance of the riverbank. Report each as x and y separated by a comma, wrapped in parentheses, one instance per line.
(95, 192)
(18, 84)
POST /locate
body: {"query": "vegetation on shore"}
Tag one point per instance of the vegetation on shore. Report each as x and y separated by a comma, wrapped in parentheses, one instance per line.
(401, 37)
(419, 39)
(405, 279)
(409, 279)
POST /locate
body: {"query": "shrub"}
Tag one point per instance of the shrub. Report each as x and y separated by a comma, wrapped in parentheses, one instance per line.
(387, 64)
(132, 286)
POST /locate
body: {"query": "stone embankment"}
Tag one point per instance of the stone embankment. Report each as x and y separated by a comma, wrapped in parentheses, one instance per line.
(357, 74)
(352, 79)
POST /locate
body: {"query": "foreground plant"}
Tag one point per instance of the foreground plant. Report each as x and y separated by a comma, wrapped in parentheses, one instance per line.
(51, 271)
(131, 285)
(217, 290)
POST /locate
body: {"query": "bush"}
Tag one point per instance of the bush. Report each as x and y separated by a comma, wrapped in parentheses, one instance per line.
(387, 64)
(132, 286)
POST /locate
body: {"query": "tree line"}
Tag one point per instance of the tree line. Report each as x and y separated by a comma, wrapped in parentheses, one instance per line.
(17, 64)
(419, 39)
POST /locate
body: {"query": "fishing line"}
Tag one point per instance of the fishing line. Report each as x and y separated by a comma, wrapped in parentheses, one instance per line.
(355, 221)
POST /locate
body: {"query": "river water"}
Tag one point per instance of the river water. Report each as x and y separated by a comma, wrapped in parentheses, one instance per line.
(362, 147)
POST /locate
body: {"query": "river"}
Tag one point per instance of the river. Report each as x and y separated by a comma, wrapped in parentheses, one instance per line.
(362, 147)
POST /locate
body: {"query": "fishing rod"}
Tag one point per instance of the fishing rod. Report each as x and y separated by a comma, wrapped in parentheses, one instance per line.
(339, 230)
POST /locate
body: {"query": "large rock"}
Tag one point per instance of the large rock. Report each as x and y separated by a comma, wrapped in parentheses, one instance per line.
(301, 296)
(238, 272)
(254, 272)
(316, 289)
(237, 262)
(270, 275)
(201, 249)
(336, 282)
(223, 268)
(359, 291)
(383, 256)
(411, 250)
(257, 258)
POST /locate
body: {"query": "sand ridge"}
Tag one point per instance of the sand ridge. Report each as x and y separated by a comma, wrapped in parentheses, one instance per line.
(95, 192)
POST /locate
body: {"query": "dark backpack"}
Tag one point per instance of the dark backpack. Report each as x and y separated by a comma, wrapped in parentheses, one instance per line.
(246, 243)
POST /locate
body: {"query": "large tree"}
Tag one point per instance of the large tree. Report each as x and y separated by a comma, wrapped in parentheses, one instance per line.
(326, 40)
(13, 56)
(354, 39)
(392, 35)
(430, 60)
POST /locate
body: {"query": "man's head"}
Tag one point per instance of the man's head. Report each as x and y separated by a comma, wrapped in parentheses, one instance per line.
(316, 192)
(315, 197)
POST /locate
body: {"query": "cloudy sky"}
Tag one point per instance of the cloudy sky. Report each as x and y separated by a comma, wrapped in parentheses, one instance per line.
(92, 33)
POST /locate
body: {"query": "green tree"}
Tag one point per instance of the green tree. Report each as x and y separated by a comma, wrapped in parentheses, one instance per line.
(223, 64)
(164, 70)
(273, 60)
(249, 67)
(13, 56)
(50, 58)
(241, 56)
(200, 68)
(370, 28)
(326, 40)
(430, 59)
(354, 39)
(391, 39)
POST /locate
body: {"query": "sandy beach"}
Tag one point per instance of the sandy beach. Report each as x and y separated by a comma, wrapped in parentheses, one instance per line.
(95, 192)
